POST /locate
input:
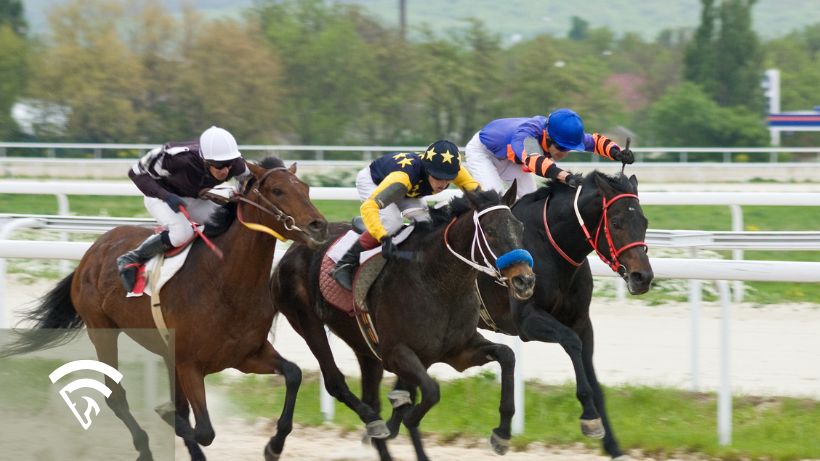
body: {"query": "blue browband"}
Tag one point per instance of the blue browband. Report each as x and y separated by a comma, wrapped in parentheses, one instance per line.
(513, 257)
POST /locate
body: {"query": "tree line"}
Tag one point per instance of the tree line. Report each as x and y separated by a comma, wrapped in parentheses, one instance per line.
(319, 72)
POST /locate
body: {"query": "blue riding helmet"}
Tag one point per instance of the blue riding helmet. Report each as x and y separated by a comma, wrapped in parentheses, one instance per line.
(566, 129)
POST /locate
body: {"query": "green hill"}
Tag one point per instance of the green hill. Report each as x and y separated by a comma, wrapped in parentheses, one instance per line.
(521, 19)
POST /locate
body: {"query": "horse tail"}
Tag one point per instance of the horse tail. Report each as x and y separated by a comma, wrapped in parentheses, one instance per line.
(56, 322)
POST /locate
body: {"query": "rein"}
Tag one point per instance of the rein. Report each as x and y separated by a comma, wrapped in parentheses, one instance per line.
(501, 262)
(612, 260)
(269, 208)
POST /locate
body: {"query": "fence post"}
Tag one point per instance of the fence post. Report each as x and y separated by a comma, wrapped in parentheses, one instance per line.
(724, 416)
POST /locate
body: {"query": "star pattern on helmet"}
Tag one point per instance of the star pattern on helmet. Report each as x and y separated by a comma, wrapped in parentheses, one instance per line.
(405, 162)
(430, 154)
(399, 156)
(447, 157)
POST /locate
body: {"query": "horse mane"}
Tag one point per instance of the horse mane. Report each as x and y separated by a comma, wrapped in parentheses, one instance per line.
(619, 182)
(224, 216)
(459, 205)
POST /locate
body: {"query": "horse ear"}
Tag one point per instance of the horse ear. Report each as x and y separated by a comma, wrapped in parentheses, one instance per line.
(512, 192)
(292, 168)
(634, 180)
(603, 185)
(472, 198)
(255, 169)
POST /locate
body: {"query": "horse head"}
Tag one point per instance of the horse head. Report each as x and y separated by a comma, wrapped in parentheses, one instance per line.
(281, 203)
(501, 235)
(619, 238)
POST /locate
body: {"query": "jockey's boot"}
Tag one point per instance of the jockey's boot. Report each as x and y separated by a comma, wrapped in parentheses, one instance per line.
(128, 263)
(346, 266)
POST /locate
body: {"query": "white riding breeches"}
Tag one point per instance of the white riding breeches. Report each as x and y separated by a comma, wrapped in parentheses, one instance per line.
(494, 173)
(179, 229)
(391, 215)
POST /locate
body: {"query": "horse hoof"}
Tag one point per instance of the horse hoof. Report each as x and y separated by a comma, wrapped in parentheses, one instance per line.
(167, 411)
(270, 455)
(399, 398)
(593, 428)
(500, 445)
(377, 429)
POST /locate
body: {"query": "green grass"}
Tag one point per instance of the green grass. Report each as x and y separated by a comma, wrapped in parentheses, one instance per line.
(655, 420)
(756, 218)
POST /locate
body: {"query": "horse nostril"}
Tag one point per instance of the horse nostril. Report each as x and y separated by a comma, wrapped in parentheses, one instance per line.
(524, 282)
(640, 277)
(317, 225)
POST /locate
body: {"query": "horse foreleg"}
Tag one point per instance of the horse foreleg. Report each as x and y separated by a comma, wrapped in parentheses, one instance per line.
(406, 364)
(192, 381)
(610, 443)
(372, 372)
(268, 361)
(402, 398)
(105, 342)
(478, 352)
(536, 325)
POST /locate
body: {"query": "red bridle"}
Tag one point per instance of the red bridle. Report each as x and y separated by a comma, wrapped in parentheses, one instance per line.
(612, 261)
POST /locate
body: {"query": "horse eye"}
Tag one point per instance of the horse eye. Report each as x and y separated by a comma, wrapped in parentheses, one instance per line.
(276, 192)
(616, 223)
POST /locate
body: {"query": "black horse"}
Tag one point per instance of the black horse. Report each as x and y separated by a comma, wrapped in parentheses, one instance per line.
(425, 309)
(555, 232)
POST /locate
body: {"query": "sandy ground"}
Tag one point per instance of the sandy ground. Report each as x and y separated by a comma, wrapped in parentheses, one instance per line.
(773, 352)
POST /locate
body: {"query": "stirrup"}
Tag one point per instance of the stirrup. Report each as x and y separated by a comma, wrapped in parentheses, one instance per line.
(343, 275)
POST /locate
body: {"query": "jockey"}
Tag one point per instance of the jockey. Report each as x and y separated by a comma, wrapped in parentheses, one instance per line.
(394, 183)
(172, 176)
(535, 143)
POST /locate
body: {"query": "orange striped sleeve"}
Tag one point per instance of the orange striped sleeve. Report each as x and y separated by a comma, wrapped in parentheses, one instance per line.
(603, 145)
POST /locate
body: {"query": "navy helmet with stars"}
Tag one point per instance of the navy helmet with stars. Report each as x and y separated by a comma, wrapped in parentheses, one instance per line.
(441, 160)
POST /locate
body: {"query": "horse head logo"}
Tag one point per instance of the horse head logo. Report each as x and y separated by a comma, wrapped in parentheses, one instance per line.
(85, 418)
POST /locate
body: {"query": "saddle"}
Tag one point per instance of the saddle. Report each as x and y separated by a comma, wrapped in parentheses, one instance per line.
(353, 303)
(170, 262)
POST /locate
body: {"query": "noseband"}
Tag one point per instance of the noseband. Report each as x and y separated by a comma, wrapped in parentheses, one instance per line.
(269, 208)
(501, 262)
(614, 253)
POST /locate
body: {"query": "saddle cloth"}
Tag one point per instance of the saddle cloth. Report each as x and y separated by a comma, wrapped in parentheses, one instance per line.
(170, 266)
(334, 293)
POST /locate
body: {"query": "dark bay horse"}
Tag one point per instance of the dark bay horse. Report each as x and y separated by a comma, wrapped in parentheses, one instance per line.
(558, 312)
(425, 310)
(220, 310)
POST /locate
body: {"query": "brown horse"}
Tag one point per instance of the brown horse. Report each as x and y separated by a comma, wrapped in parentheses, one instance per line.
(220, 310)
(425, 309)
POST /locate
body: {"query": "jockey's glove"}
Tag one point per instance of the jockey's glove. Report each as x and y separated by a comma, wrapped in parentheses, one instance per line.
(174, 201)
(388, 247)
(573, 180)
(623, 155)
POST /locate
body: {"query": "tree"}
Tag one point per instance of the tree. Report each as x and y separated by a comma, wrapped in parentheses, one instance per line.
(88, 74)
(11, 14)
(327, 67)
(726, 62)
(579, 29)
(687, 116)
(12, 77)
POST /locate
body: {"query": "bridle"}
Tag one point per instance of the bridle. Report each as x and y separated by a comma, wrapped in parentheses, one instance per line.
(480, 243)
(612, 260)
(269, 207)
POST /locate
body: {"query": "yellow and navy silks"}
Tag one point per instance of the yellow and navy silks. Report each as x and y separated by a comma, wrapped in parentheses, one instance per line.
(402, 175)
(505, 138)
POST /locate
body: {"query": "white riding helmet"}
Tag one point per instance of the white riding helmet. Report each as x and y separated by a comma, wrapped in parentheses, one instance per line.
(218, 144)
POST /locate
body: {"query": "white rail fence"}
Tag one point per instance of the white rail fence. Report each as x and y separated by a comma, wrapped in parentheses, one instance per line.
(693, 269)
(319, 152)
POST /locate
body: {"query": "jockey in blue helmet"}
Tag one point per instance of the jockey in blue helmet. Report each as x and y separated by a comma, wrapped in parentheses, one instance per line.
(511, 148)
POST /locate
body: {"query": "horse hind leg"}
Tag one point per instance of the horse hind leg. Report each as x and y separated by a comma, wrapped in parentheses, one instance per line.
(105, 343)
(268, 361)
